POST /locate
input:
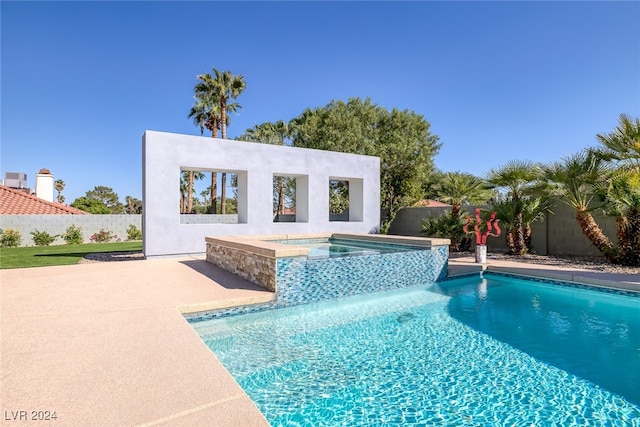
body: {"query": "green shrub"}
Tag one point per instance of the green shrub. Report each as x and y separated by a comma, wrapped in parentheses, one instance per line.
(448, 227)
(42, 238)
(10, 238)
(73, 235)
(102, 236)
(134, 233)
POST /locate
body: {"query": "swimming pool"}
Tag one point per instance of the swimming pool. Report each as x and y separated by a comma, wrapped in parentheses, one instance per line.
(331, 247)
(477, 351)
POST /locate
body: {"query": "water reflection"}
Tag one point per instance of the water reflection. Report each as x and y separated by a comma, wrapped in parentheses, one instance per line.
(590, 334)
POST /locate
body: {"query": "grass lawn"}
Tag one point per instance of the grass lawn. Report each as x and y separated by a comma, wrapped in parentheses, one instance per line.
(40, 256)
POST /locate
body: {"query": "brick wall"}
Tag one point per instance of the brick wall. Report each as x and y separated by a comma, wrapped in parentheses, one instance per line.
(58, 224)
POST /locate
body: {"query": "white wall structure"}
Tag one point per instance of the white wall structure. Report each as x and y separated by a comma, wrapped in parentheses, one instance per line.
(164, 155)
(44, 185)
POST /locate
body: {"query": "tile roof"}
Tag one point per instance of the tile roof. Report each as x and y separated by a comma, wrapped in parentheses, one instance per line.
(431, 204)
(16, 202)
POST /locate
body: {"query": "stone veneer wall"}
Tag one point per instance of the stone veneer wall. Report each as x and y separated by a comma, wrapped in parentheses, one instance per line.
(251, 266)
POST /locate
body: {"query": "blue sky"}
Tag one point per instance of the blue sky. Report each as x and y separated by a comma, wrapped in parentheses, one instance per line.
(82, 81)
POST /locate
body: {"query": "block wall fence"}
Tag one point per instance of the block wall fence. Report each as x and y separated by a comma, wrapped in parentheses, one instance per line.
(58, 224)
(558, 234)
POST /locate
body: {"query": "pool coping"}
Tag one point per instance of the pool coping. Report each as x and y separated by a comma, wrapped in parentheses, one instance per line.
(594, 278)
(266, 245)
(112, 336)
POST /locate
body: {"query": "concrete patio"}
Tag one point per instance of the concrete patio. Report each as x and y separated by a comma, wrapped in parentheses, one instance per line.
(106, 344)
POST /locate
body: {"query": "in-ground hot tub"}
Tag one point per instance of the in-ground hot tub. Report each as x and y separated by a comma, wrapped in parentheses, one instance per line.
(314, 267)
(329, 247)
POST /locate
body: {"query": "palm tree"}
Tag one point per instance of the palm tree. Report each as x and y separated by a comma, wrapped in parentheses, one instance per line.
(505, 212)
(204, 193)
(274, 133)
(458, 188)
(224, 87)
(229, 87)
(184, 185)
(623, 202)
(518, 178)
(214, 94)
(623, 143)
(223, 194)
(449, 227)
(199, 115)
(534, 209)
(621, 147)
(206, 114)
(574, 181)
(193, 176)
(59, 186)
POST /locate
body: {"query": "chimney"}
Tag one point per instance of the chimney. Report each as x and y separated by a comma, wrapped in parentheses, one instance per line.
(44, 185)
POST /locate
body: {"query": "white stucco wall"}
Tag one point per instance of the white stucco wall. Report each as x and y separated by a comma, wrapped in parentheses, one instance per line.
(44, 186)
(165, 154)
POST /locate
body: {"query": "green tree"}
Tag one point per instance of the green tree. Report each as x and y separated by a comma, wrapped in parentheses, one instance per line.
(206, 114)
(519, 180)
(204, 194)
(459, 188)
(338, 196)
(506, 213)
(108, 197)
(448, 226)
(132, 205)
(213, 94)
(456, 189)
(402, 140)
(273, 133)
(534, 209)
(406, 149)
(100, 200)
(191, 177)
(573, 181)
(90, 205)
(621, 147)
(622, 201)
(230, 87)
(200, 114)
(184, 189)
(59, 186)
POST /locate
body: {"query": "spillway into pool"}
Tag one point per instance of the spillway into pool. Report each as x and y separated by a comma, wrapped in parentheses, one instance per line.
(310, 268)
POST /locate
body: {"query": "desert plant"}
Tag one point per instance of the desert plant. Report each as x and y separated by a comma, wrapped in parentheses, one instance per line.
(73, 235)
(134, 233)
(448, 227)
(519, 180)
(102, 236)
(42, 238)
(10, 238)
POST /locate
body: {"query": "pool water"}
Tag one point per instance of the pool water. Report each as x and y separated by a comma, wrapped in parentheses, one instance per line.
(492, 351)
(329, 248)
